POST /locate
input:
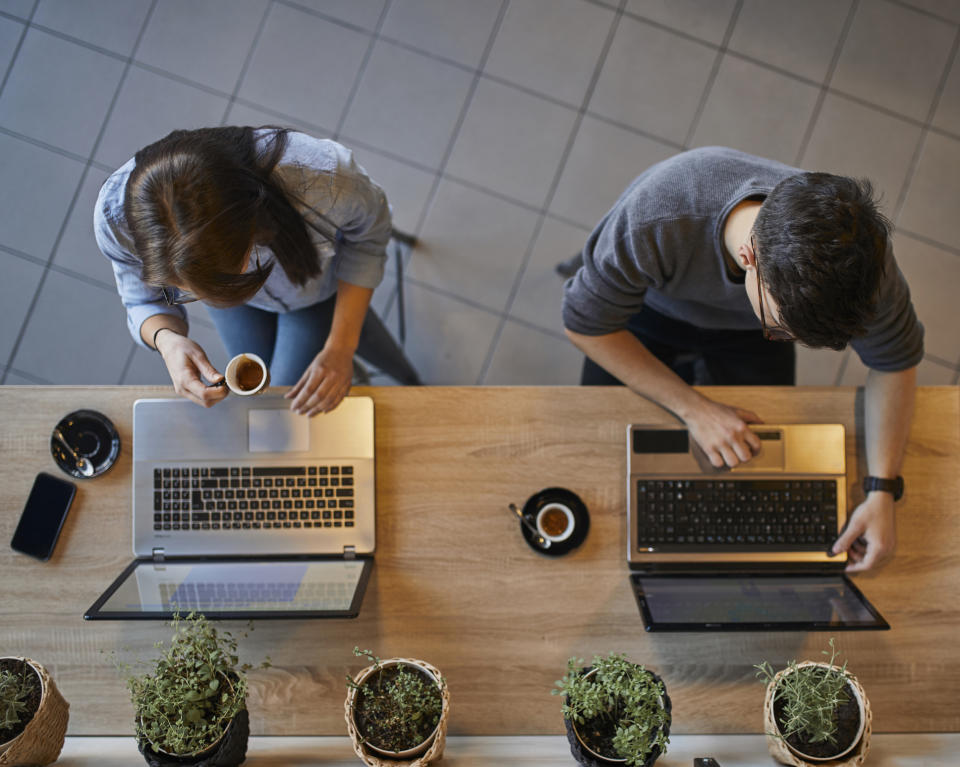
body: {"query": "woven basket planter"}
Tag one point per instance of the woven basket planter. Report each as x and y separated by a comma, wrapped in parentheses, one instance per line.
(783, 753)
(432, 748)
(42, 740)
(228, 751)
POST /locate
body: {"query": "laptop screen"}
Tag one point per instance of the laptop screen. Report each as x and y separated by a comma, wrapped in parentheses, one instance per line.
(756, 601)
(237, 588)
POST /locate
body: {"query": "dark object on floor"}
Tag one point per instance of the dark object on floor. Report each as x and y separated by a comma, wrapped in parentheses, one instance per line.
(705, 761)
(568, 268)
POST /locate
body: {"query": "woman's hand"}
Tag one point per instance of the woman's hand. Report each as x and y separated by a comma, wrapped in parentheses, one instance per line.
(186, 362)
(324, 383)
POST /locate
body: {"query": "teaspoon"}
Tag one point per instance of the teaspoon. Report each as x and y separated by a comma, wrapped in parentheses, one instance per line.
(542, 542)
(83, 465)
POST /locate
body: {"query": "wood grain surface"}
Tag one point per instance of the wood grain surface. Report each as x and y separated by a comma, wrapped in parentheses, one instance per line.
(455, 584)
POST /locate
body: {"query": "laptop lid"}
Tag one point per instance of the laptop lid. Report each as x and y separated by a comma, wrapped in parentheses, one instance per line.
(237, 588)
(759, 601)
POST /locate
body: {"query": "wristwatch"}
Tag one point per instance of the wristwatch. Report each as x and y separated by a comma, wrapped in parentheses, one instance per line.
(893, 486)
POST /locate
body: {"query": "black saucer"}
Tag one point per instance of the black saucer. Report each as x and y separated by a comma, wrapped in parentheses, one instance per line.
(581, 520)
(93, 436)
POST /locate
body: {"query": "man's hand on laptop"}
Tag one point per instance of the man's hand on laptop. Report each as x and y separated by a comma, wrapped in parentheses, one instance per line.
(187, 362)
(870, 535)
(722, 432)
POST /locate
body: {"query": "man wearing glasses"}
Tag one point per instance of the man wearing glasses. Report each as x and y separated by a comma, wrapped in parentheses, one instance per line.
(708, 263)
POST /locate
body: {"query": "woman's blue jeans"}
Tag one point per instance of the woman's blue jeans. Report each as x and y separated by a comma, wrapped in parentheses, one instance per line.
(289, 342)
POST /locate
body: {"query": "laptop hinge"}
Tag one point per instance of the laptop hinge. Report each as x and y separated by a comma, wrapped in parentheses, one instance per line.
(349, 552)
(158, 554)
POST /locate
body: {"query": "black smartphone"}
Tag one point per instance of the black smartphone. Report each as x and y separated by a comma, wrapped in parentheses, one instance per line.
(43, 516)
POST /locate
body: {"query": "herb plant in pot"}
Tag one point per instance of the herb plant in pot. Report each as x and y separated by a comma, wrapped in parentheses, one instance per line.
(615, 712)
(815, 712)
(192, 708)
(396, 711)
(33, 714)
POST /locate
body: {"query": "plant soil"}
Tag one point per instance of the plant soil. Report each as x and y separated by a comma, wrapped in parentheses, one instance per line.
(375, 731)
(848, 724)
(597, 734)
(33, 700)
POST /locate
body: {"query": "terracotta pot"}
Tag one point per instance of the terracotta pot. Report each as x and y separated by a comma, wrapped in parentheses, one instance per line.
(41, 741)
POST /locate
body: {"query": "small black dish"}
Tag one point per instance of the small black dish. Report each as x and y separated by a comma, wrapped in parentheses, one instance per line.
(93, 436)
(581, 520)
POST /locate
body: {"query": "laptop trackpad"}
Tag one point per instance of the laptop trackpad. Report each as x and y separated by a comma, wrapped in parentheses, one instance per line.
(278, 431)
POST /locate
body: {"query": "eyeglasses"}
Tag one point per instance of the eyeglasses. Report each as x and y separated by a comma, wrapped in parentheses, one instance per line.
(174, 297)
(774, 332)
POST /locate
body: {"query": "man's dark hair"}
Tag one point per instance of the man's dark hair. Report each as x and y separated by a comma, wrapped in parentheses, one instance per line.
(821, 242)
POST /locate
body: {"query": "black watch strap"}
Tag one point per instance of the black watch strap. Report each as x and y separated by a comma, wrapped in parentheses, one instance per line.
(893, 486)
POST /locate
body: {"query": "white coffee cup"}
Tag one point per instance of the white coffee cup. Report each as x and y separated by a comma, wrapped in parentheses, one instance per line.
(555, 522)
(247, 374)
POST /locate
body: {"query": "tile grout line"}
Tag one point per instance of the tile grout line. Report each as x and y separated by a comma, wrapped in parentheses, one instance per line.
(551, 191)
(246, 62)
(924, 12)
(126, 365)
(714, 71)
(825, 86)
(52, 148)
(361, 71)
(76, 194)
(17, 47)
(921, 142)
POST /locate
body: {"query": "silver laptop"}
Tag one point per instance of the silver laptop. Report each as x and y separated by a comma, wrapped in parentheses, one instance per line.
(744, 548)
(248, 510)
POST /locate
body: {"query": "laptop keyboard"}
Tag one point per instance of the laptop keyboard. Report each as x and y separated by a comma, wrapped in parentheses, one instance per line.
(253, 497)
(736, 515)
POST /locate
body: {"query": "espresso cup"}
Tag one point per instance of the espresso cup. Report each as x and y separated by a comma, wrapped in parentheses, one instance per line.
(247, 374)
(555, 521)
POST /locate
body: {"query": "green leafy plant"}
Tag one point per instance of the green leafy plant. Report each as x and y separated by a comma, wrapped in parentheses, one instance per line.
(15, 690)
(810, 697)
(195, 690)
(396, 707)
(619, 709)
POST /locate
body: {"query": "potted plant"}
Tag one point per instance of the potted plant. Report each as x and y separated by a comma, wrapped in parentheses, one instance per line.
(33, 714)
(192, 708)
(397, 708)
(615, 712)
(815, 712)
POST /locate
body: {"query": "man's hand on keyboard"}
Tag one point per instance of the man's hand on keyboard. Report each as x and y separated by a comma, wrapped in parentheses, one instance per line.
(722, 432)
(870, 535)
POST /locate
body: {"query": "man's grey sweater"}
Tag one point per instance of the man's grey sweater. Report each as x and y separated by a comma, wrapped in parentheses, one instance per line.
(662, 244)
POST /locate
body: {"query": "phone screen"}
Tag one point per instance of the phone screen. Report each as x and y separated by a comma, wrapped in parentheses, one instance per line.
(43, 516)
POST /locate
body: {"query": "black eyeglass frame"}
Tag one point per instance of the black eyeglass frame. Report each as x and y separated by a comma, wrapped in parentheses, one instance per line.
(774, 333)
(169, 296)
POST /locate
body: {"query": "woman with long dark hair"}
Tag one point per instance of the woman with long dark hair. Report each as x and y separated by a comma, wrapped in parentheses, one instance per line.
(281, 235)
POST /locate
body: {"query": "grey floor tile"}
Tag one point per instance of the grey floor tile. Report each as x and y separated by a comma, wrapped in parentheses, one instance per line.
(602, 163)
(10, 32)
(797, 37)
(551, 46)
(53, 78)
(818, 367)
(856, 140)
(407, 104)
(243, 114)
(540, 297)
(148, 108)
(77, 249)
(472, 245)
(384, 297)
(110, 24)
(934, 196)
(17, 288)
(756, 110)
(947, 9)
(304, 66)
(875, 66)
(948, 110)
(21, 8)
(511, 142)
(205, 41)
(653, 80)
(17, 379)
(706, 19)
(406, 187)
(854, 371)
(447, 340)
(36, 187)
(933, 276)
(53, 349)
(363, 13)
(527, 357)
(932, 373)
(455, 29)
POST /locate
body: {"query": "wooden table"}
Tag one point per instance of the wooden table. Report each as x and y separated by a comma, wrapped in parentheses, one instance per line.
(455, 584)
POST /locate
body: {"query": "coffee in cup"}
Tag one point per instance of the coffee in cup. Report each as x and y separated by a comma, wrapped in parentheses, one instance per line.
(555, 522)
(247, 374)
